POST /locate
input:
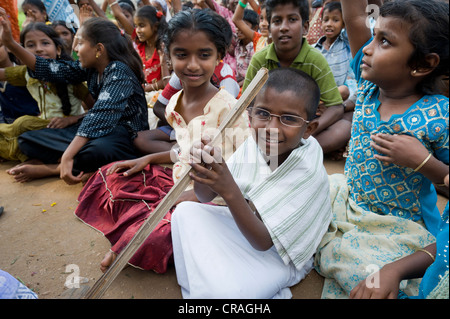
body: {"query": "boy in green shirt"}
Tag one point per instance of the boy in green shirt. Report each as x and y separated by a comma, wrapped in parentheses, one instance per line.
(288, 23)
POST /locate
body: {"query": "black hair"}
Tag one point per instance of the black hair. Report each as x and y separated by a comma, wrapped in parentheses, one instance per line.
(150, 14)
(303, 85)
(119, 46)
(61, 88)
(64, 24)
(251, 17)
(38, 4)
(302, 5)
(127, 7)
(215, 26)
(187, 5)
(130, 3)
(429, 29)
(331, 6)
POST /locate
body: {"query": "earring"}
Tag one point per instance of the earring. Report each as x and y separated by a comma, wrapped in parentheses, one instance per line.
(414, 72)
(97, 55)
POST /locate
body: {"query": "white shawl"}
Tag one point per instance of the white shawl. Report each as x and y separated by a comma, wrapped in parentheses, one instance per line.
(293, 200)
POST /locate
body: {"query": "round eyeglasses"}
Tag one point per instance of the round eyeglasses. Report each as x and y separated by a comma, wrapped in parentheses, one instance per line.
(285, 119)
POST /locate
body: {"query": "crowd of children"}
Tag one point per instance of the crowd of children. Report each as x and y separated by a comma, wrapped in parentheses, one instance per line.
(261, 211)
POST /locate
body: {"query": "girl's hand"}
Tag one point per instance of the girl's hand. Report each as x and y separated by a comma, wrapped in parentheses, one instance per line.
(133, 166)
(384, 284)
(5, 28)
(402, 150)
(66, 172)
(321, 109)
(86, 12)
(62, 122)
(210, 169)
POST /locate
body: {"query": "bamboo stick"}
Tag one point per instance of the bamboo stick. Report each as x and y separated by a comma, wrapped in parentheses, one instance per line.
(169, 200)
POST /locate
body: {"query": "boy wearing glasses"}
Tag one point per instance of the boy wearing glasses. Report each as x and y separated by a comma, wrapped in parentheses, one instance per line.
(264, 240)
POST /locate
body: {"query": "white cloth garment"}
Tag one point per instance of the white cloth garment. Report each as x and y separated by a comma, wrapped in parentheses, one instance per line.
(212, 257)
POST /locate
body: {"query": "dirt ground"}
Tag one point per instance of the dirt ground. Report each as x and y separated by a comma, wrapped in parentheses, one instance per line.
(44, 245)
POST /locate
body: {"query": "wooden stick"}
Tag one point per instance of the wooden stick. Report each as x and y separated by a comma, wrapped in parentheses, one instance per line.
(169, 200)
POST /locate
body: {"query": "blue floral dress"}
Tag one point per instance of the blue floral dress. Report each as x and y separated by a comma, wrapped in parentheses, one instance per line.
(382, 211)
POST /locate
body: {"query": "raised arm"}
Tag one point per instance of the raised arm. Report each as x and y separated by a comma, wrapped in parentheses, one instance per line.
(210, 4)
(238, 19)
(355, 18)
(20, 52)
(97, 9)
(176, 5)
(120, 17)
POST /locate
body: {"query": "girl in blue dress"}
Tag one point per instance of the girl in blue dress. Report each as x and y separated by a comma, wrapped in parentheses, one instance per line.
(385, 205)
(431, 264)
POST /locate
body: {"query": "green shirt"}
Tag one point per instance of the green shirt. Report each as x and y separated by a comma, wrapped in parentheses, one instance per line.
(309, 60)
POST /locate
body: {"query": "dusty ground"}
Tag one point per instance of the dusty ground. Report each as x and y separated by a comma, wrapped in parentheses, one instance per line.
(43, 244)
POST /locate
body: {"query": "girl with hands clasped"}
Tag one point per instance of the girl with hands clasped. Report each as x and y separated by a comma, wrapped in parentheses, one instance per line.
(276, 192)
(399, 149)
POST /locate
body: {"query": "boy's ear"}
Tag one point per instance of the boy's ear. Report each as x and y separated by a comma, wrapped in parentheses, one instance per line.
(312, 126)
(432, 60)
(305, 27)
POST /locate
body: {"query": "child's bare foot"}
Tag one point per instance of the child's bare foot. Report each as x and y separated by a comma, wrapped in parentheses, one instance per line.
(107, 260)
(28, 172)
(32, 161)
(86, 177)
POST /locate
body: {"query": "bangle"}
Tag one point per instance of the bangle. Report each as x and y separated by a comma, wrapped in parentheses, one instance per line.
(115, 2)
(440, 185)
(423, 163)
(243, 5)
(427, 252)
(167, 77)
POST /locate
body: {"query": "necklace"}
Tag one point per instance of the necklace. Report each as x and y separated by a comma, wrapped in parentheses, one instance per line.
(148, 56)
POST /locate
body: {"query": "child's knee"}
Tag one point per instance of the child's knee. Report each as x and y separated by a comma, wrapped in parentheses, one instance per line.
(344, 91)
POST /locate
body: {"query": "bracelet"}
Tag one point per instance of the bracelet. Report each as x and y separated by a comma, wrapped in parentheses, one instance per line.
(115, 2)
(423, 163)
(167, 77)
(243, 5)
(427, 252)
(440, 185)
